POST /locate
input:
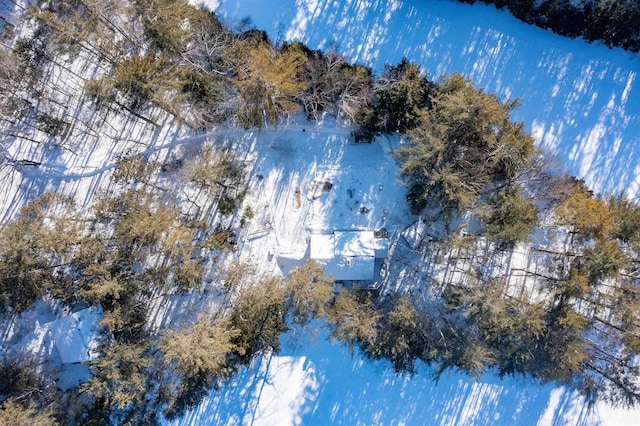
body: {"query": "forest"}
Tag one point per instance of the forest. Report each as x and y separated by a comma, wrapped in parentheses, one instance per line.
(612, 22)
(157, 229)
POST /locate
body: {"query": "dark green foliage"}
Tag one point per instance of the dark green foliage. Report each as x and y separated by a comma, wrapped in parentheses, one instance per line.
(143, 78)
(400, 337)
(400, 96)
(353, 318)
(19, 377)
(464, 155)
(602, 260)
(30, 51)
(191, 391)
(464, 147)
(512, 218)
(563, 353)
(626, 217)
(52, 125)
(307, 292)
(221, 239)
(164, 22)
(206, 92)
(227, 205)
(489, 329)
(259, 313)
(120, 377)
(613, 22)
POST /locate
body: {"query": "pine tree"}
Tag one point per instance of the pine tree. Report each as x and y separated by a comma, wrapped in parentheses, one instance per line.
(216, 172)
(167, 23)
(626, 216)
(120, 375)
(269, 85)
(512, 218)
(464, 147)
(307, 292)
(397, 337)
(201, 348)
(401, 95)
(258, 312)
(15, 414)
(31, 248)
(589, 216)
(353, 318)
(141, 79)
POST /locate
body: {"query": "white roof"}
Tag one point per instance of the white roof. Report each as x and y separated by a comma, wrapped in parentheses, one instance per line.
(348, 255)
(75, 335)
(357, 268)
(321, 246)
(347, 243)
(354, 243)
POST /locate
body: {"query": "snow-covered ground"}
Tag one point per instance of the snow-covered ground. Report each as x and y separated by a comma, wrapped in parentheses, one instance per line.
(578, 101)
(312, 381)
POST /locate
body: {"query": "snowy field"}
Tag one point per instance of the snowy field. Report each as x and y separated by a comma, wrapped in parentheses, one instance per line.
(580, 101)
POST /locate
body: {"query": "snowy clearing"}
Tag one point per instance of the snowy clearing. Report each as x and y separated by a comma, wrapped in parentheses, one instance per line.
(577, 102)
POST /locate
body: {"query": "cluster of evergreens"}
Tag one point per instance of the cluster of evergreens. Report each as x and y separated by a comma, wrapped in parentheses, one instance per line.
(613, 22)
(161, 227)
(465, 158)
(139, 242)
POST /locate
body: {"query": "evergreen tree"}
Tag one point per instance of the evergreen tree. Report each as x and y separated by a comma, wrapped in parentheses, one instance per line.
(589, 216)
(202, 348)
(268, 85)
(31, 248)
(398, 338)
(120, 376)
(141, 79)
(259, 315)
(216, 172)
(512, 218)
(307, 292)
(465, 146)
(626, 216)
(200, 354)
(401, 94)
(353, 318)
(15, 414)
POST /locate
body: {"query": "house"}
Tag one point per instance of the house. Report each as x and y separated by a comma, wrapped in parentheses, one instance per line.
(350, 256)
